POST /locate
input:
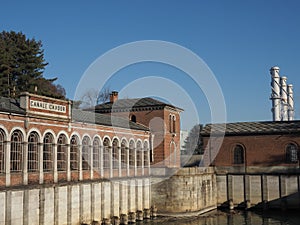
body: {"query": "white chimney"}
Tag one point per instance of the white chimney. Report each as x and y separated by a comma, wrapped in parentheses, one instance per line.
(290, 102)
(275, 96)
(284, 99)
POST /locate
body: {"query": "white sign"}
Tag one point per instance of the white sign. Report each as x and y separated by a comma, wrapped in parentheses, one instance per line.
(47, 106)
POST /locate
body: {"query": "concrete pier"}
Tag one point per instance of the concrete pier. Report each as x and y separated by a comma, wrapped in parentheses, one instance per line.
(259, 190)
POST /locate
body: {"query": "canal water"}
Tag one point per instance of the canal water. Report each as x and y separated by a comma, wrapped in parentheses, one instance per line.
(231, 218)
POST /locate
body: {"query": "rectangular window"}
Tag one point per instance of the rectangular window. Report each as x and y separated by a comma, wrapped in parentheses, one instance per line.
(146, 158)
(139, 158)
(61, 157)
(16, 157)
(131, 157)
(106, 158)
(96, 154)
(47, 157)
(85, 157)
(73, 157)
(33, 157)
(115, 155)
(123, 157)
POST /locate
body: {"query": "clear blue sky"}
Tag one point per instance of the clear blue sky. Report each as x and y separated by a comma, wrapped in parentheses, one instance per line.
(239, 41)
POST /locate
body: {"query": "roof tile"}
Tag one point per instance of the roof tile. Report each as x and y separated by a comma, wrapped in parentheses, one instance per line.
(251, 128)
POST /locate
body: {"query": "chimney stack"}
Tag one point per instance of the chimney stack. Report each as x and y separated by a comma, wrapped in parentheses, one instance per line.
(290, 102)
(113, 97)
(275, 97)
(284, 99)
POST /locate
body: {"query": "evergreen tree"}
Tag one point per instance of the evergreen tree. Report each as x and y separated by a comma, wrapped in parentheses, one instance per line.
(193, 143)
(22, 65)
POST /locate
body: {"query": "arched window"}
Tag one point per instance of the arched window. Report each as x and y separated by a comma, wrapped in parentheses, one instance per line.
(62, 153)
(16, 151)
(292, 153)
(74, 150)
(2, 151)
(238, 155)
(139, 158)
(133, 118)
(86, 153)
(96, 153)
(146, 154)
(106, 154)
(115, 153)
(123, 154)
(33, 152)
(170, 123)
(174, 123)
(131, 154)
(48, 152)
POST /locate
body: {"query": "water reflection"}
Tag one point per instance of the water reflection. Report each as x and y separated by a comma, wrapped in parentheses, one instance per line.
(231, 218)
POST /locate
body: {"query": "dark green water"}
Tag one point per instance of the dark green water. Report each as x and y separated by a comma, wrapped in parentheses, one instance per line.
(231, 218)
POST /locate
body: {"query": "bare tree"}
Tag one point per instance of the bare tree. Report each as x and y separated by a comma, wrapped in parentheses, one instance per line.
(92, 97)
(103, 96)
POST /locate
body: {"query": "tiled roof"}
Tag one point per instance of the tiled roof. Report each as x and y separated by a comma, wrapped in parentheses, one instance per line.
(106, 120)
(11, 105)
(133, 104)
(253, 128)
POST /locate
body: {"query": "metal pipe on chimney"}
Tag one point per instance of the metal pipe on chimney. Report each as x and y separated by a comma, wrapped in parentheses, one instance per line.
(284, 99)
(290, 102)
(275, 96)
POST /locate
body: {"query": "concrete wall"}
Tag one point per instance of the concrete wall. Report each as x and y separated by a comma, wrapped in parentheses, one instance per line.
(74, 203)
(190, 189)
(273, 190)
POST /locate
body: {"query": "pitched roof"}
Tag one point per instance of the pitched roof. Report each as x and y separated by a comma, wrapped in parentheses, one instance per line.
(11, 105)
(252, 128)
(106, 120)
(133, 104)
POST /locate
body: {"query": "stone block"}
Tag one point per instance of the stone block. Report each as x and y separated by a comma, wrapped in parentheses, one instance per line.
(33, 206)
(16, 208)
(2, 207)
(86, 202)
(48, 206)
(255, 189)
(75, 204)
(97, 201)
(62, 205)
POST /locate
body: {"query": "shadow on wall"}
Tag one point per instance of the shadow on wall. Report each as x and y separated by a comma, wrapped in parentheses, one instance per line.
(276, 160)
(284, 203)
(291, 201)
(190, 160)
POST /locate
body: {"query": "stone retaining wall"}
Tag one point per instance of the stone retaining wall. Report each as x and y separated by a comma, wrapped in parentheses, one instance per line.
(80, 203)
(188, 190)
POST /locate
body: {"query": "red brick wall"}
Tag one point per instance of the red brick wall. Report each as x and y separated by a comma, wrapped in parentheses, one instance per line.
(260, 150)
(9, 122)
(158, 122)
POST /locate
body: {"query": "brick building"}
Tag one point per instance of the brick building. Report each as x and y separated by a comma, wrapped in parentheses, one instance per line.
(42, 140)
(161, 118)
(256, 146)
